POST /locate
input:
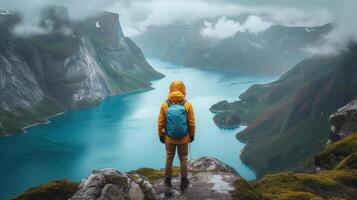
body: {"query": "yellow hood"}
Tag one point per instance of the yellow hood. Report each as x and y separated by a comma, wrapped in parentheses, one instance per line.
(177, 91)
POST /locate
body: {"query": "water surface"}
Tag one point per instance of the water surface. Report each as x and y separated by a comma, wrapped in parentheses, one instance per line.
(121, 132)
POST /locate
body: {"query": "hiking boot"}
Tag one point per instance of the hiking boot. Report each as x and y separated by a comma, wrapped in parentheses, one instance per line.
(184, 184)
(168, 182)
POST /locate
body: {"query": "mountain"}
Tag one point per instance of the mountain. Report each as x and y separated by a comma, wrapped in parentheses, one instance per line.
(274, 50)
(287, 118)
(73, 65)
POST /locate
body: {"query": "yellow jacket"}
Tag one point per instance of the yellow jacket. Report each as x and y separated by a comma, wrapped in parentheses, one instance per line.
(177, 94)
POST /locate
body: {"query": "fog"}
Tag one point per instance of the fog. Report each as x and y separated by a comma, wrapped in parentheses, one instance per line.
(220, 17)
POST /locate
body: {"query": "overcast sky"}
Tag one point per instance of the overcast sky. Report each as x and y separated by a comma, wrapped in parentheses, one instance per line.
(219, 15)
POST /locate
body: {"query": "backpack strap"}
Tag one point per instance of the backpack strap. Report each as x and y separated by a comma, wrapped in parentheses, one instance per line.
(169, 103)
(183, 102)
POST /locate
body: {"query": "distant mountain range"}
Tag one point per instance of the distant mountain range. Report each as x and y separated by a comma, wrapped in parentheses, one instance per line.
(288, 118)
(74, 65)
(274, 50)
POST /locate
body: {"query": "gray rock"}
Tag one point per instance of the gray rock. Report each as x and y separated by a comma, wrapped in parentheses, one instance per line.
(145, 185)
(210, 164)
(209, 179)
(344, 121)
(110, 184)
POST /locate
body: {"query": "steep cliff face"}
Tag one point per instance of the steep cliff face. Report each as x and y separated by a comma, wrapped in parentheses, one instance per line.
(272, 51)
(344, 121)
(288, 118)
(77, 64)
(341, 150)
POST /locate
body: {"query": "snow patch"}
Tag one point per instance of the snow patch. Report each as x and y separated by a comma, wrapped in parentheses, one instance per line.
(4, 12)
(219, 185)
(97, 24)
(308, 29)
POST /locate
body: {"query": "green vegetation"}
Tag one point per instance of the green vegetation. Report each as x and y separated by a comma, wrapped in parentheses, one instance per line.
(243, 191)
(22, 117)
(333, 184)
(288, 118)
(54, 190)
(288, 150)
(350, 162)
(333, 154)
(153, 174)
(324, 185)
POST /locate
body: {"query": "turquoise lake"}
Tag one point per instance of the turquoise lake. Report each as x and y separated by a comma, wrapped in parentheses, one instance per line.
(121, 132)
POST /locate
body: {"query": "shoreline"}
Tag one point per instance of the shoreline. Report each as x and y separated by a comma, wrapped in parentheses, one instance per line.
(241, 151)
(46, 120)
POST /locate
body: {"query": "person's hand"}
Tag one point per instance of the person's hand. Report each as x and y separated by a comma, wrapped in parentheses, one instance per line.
(162, 139)
(192, 138)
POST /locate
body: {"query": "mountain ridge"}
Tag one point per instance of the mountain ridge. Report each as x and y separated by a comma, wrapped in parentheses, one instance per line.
(274, 50)
(286, 117)
(75, 65)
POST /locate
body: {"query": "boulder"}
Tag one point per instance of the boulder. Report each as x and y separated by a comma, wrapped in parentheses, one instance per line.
(210, 164)
(344, 121)
(110, 184)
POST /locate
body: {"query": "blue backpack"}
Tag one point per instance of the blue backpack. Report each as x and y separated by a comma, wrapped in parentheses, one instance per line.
(176, 120)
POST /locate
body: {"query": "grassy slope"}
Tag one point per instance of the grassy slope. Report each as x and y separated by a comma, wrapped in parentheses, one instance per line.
(289, 122)
(341, 154)
(54, 190)
(337, 183)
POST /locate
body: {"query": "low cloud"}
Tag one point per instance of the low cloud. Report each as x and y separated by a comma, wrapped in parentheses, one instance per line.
(343, 33)
(138, 15)
(224, 28)
(31, 10)
(220, 15)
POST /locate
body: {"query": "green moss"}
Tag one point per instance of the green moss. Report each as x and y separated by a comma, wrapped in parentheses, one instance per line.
(153, 174)
(297, 196)
(350, 162)
(17, 119)
(54, 190)
(334, 153)
(243, 191)
(324, 185)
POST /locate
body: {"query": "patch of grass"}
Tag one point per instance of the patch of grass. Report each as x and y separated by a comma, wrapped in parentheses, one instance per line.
(297, 196)
(154, 174)
(350, 162)
(243, 191)
(334, 153)
(54, 190)
(324, 185)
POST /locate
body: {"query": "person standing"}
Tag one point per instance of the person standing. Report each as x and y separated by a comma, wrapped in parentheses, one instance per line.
(176, 128)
